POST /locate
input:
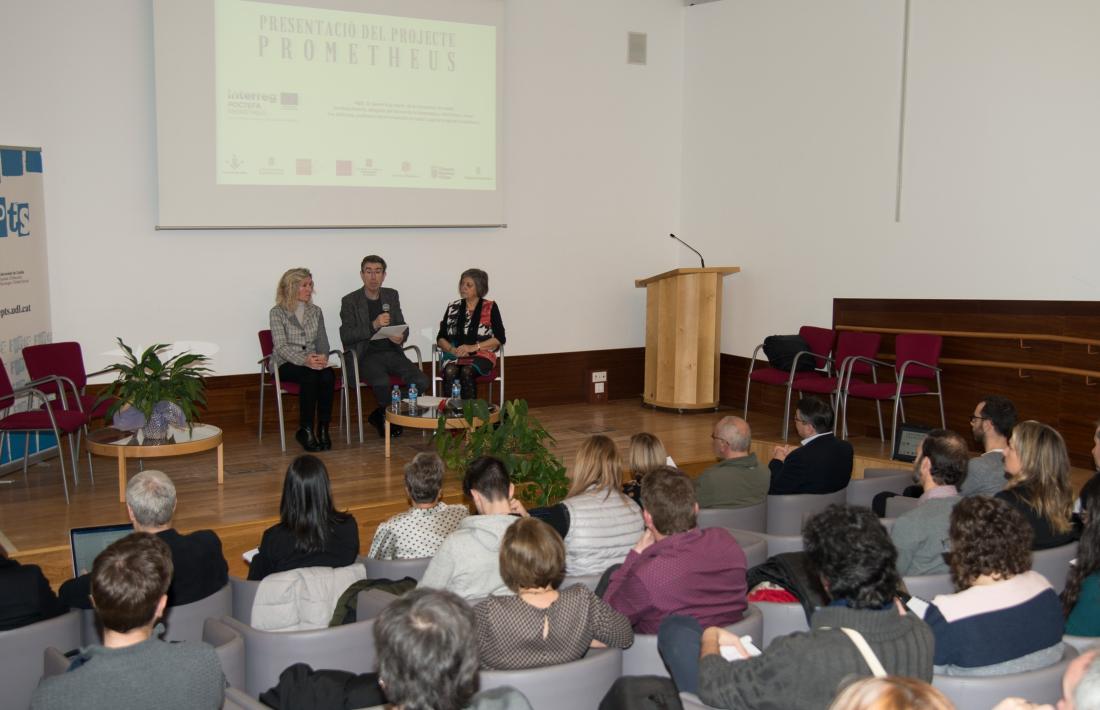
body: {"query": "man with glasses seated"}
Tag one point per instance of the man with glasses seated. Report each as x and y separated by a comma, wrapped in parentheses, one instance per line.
(364, 312)
(992, 424)
(822, 464)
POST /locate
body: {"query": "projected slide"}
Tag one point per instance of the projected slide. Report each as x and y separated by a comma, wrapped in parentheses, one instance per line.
(322, 97)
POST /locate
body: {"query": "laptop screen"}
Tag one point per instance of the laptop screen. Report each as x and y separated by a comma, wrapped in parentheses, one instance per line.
(88, 542)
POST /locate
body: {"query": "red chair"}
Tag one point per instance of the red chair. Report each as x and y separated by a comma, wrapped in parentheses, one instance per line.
(267, 347)
(494, 375)
(49, 418)
(916, 356)
(820, 342)
(394, 380)
(850, 346)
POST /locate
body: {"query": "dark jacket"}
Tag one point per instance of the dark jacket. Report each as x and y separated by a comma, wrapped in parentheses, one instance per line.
(199, 570)
(822, 466)
(355, 321)
(277, 553)
(1045, 535)
(25, 596)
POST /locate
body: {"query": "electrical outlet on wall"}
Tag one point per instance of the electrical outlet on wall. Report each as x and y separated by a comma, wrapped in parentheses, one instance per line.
(597, 386)
(599, 376)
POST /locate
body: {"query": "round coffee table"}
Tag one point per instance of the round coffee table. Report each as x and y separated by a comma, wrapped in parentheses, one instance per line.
(125, 445)
(428, 418)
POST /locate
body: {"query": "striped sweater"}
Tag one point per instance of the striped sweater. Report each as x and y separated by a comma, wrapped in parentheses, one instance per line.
(999, 623)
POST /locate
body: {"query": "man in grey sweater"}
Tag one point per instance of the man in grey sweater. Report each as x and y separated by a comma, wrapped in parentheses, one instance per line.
(992, 424)
(920, 535)
(468, 561)
(133, 668)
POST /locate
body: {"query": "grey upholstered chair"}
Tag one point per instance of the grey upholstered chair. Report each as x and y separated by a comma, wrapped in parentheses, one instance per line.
(781, 619)
(753, 544)
(22, 651)
(395, 569)
(691, 701)
(642, 658)
(888, 523)
(899, 505)
(580, 684)
(752, 518)
(1081, 643)
(983, 692)
(267, 654)
(1054, 564)
(237, 699)
(927, 586)
(371, 602)
(863, 490)
(185, 622)
(778, 544)
(785, 512)
(230, 648)
(588, 580)
(244, 594)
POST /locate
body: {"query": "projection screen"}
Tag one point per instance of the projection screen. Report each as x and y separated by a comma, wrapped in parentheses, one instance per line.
(329, 113)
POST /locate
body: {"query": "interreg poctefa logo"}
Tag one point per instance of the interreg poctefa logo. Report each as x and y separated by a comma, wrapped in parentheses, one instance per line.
(15, 218)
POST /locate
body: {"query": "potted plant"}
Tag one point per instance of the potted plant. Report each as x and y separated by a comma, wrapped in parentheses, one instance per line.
(519, 440)
(152, 394)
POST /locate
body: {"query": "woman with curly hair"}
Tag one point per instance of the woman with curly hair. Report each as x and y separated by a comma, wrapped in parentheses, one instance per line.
(1037, 464)
(1004, 618)
(1081, 598)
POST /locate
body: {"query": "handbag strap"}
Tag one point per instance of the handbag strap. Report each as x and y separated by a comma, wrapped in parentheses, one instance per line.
(865, 650)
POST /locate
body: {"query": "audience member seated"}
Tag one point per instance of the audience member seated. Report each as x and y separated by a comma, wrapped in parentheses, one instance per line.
(676, 568)
(644, 453)
(598, 523)
(25, 595)
(468, 561)
(920, 535)
(1094, 482)
(738, 479)
(1004, 618)
(420, 531)
(134, 668)
(858, 565)
(1037, 463)
(200, 568)
(1081, 597)
(310, 531)
(891, 693)
(542, 626)
(991, 424)
(428, 657)
(1080, 687)
(822, 464)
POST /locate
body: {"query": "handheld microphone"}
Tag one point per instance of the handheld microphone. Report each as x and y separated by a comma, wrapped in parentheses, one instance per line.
(385, 308)
(702, 264)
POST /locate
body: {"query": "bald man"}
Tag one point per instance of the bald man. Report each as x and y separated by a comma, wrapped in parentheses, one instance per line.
(738, 479)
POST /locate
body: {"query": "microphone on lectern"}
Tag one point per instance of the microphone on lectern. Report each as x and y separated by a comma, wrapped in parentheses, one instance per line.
(702, 263)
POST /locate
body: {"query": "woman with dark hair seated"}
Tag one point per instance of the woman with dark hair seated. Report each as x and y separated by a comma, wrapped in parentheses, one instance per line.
(541, 626)
(310, 532)
(1081, 597)
(470, 334)
(1037, 464)
(1004, 618)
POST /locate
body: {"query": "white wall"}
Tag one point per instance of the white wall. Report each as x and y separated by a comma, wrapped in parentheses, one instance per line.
(790, 149)
(594, 177)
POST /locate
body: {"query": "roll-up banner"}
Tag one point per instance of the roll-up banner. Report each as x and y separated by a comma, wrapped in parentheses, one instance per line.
(24, 277)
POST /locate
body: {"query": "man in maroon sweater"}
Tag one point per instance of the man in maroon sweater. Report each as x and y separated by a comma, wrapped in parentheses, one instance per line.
(676, 568)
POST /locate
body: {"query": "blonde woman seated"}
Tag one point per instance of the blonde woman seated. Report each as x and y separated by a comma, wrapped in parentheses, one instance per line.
(1037, 467)
(645, 453)
(541, 626)
(598, 523)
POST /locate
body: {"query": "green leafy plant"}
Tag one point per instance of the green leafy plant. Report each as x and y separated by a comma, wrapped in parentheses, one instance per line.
(145, 381)
(519, 440)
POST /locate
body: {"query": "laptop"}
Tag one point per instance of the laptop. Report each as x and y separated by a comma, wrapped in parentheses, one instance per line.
(88, 542)
(908, 441)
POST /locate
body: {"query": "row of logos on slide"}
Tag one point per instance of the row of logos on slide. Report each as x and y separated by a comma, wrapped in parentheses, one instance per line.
(236, 165)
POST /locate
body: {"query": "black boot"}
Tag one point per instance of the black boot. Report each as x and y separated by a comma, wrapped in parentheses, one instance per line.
(323, 438)
(306, 438)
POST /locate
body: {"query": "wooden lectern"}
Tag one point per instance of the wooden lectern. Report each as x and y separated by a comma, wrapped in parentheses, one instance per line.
(683, 337)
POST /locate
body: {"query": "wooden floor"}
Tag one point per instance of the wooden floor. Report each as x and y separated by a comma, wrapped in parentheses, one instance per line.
(34, 519)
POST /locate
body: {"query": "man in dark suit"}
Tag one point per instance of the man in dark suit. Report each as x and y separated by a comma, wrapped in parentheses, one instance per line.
(363, 312)
(822, 464)
(200, 568)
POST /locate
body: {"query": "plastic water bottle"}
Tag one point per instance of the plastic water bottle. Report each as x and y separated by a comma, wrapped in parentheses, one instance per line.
(456, 390)
(412, 396)
(395, 399)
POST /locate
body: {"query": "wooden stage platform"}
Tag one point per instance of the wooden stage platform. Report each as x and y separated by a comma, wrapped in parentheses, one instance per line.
(34, 519)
